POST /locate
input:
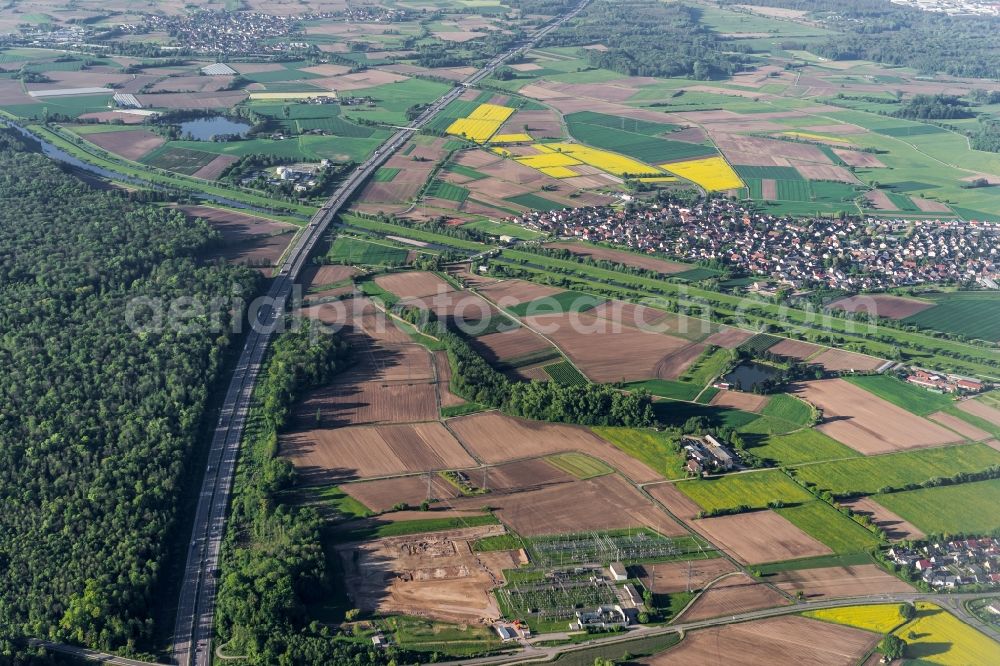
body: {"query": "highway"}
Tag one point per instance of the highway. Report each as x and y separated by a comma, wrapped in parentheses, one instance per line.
(193, 625)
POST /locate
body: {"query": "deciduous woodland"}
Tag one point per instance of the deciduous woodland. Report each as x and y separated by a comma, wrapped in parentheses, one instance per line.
(97, 422)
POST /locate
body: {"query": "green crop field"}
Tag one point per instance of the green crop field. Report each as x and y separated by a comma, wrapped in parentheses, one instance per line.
(967, 508)
(707, 367)
(972, 314)
(911, 398)
(66, 105)
(797, 447)
(502, 229)
(666, 388)
(646, 127)
(912, 129)
(306, 147)
(564, 373)
(673, 413)
(793, 190)
(181, 160)
(827, 525)
(788, 408)
(336, 126)
(565, 301)
(579, 465)
(463, 170)
(760, 343)
(449, 191)
(752, 489)
(657, 449)
(535, 202)
(769, 172)
(868, 475)
(645, 148)
(347, 250)
(696, 274)
(385, 174)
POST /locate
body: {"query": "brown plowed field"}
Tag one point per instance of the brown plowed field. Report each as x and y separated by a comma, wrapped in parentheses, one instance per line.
(729, 338)
(342, 454)
(582, 506)
(958, 425)
(771, 642)
(856, 158)
(977, 408)
(215, 100)
(515, 292)
(882, 305)
(731, 596)
(894, 526)
(130, 144)
(383, 494)
(247, 239)
(510, 344)
(868, 424)
(525, 475)
(795, 349)
(837, 359)
(605, 354)
(748, 402)
(433, 575)
(760, 536)
(622, 257)
(880, 200)
(353, 403)
(667, 577)
(674, 365)
(496, 438)
(769, 189)
(834, 582)
(443, 368)
(322, 275)
(214, 169)
(628, 314)
(930, 206)
(676, 502)
(826, 172)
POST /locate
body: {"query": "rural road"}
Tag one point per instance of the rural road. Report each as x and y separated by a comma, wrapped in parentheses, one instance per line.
(196, 603)
(532, 654)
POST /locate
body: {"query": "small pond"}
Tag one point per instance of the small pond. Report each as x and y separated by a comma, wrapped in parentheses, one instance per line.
(745, 375)
(203, 129)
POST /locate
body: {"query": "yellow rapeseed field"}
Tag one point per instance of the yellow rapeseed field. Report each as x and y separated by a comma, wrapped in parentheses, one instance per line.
(817, 137)
(475, 129)
(558, 172)
(604, 160)
(546, 160)
(934, 629)
(492, 112)
(511, 138)
(880, 618)
(502, 152)
(711, 173)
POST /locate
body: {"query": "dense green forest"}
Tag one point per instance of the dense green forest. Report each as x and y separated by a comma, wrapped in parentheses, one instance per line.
(97, 421)
(649, 38)
(884, 32)
(933, 107)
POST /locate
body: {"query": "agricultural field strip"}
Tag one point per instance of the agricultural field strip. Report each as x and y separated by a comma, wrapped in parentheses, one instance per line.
(717, 299)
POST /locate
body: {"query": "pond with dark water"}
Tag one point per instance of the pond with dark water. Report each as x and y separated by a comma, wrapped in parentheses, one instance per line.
(203, 129)
(747, 374)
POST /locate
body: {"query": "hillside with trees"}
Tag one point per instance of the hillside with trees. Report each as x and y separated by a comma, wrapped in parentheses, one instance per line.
(98, 420)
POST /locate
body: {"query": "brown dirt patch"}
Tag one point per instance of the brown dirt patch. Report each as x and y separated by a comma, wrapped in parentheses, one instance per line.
(781, 640)
(448, 399)
(622, 257)
(497, 438)
(835, 582)
(769, 189)
(760, 536)
(435, 575)
(880, 200)
(674, 500)
(109, 116)
(383, 494)
(342, 454)
(525, 475)
(882, 305)
(629, 314)
(581, 506)
(732, 596)
(214, 169)
(895, 527)
(415, 284)
(977, 408)
(674, 365)
(795, 349)
(729, 338)
(207, 100)
(930, 206)
(839, 360)
(499, 347)
(366, 79)
(247, 239)
(352, 403)
(515, 292)
(826, 172)
(868, 424)
(606, 351)
(668, 577)
(130, 144)
(856, 158)
(327, 70)
(741, 149)
(194, 84)
(748, 402)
